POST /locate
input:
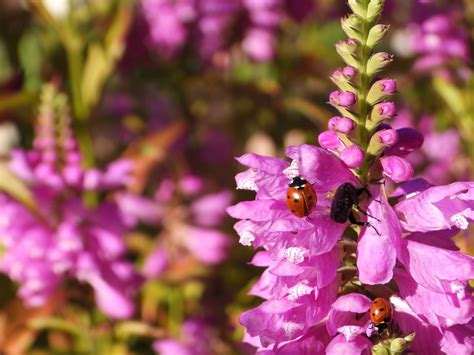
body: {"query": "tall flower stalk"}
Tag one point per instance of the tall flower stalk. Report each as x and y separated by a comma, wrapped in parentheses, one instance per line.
(321, 275)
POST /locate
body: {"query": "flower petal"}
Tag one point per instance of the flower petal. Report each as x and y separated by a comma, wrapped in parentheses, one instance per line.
(320, 167)
(377, 254)
(339, 345)
(438, 208)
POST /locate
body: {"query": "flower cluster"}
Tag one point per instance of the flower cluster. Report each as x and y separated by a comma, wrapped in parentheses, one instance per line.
(62, 238)
(187, 229)
(208, 23)
(438, 41)
(322, 275)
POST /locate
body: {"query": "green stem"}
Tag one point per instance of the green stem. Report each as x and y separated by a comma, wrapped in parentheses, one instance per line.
(362, 95)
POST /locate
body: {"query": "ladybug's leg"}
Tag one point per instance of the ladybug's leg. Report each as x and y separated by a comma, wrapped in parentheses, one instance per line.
(353, 220)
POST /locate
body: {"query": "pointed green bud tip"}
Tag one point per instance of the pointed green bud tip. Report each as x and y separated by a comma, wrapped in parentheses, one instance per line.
(398, 345)
(374, 9)
(348, 51)
(376, 34)
(358, 7)
(352, 26)
(409, 338)
(378, 62)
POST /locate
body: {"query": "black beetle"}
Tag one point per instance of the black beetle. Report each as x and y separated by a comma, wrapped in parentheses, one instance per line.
(345, 198)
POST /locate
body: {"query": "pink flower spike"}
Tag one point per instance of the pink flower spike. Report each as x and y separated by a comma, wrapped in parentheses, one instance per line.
(352, 156)
(396, 168)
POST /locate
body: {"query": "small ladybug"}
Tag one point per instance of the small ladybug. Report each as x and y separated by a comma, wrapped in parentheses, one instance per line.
(300, 197)
(381, 313)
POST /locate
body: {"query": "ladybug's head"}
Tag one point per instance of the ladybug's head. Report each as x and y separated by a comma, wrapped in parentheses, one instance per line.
(297, 181)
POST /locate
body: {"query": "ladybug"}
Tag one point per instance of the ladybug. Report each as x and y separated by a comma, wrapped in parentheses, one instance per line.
(380, 313)
(300, 197)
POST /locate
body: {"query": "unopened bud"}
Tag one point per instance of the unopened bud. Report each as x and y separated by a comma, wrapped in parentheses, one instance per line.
(382, 139)
(342, 80)
(358, 7)
(329, 140)
(400, 345)
(378, 62)
(349, 72)
(380, 90)
(380, 349)
(374, 9)
(381, 112)
(396, 168)
(352, 26)
(376, 34)
(409, 140)
(341, 124)
(342, 98)
(348, 49)
(352, 156)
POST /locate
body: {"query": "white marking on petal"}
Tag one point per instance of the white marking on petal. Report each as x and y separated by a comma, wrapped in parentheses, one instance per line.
(292, 171)
(299, 290)
(296, 255)
(412, 194)
(291, 328)
(350, 331)
(247, 185)
(459, 289)
(246, 238)
(459, 219)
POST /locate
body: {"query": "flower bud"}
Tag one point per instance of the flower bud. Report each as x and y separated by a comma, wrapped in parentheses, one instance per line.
(378, 62)
(380, 90)
(396, 168)
(342, 98)
(400, 345)
(382, 139)
(379, 349)
(409, 140)
(329, 140)
(349, 72)
(380, 112)
(341, 124)
(357, 7)
(352, 25)
(341, 80)
(374, 9)
(376, 34)
(352, 156)
(347, 50)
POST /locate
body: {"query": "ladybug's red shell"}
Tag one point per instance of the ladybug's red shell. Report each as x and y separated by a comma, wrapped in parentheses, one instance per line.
(380, 311)
(300, 197)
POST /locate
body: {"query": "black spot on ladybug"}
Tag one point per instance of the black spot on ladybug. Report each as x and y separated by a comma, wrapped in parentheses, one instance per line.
(373, 314)
(296, 200)
(287, 197)
(293, 211)
(375, 302)
(310, 197)
(382, 309)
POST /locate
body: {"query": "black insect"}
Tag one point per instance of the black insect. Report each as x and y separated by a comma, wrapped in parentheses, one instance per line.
(346, 198)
